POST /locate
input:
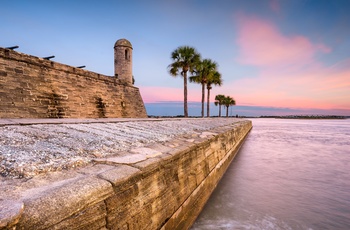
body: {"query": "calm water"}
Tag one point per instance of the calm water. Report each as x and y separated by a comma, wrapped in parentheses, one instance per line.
(289, 174)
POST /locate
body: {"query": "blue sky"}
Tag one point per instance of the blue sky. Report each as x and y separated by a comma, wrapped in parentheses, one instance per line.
(292, 54)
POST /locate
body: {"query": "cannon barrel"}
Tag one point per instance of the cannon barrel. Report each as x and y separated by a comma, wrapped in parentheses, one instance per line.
(48, 58)
(12, 47)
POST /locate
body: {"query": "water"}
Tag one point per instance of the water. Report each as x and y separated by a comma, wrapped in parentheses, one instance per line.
(289, 174)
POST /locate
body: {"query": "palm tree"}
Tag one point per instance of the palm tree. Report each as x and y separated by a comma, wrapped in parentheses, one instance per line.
(185, 59)
(228, 101)
(215, 79)
(204, 71)
(219, 100)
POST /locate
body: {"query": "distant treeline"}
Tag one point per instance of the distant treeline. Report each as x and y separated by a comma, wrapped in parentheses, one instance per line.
(307, 117)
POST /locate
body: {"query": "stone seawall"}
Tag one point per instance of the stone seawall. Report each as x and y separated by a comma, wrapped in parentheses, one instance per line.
(32, 87)
(160, 185)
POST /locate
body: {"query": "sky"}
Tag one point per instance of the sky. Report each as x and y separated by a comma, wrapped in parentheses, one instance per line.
(279, 55)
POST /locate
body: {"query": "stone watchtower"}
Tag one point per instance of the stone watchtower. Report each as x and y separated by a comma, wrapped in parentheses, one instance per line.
(123, 61)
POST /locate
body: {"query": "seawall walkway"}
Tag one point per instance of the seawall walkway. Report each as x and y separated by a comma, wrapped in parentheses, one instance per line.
(112, 173)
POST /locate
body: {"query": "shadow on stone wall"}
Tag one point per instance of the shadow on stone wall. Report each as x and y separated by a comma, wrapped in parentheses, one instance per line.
(55, 108)
(101, 107)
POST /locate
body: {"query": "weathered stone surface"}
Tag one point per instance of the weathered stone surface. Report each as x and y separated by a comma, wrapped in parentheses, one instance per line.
(126, 159)
(10, 212)
(93, 217)
(134, 156)
(28, 149)
(123, 61)
(119, 174)
(148, 152)
(190, 209)
(166, 189)
(45, 208)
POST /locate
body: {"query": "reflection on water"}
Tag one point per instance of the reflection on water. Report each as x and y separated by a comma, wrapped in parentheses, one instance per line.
(289, 174)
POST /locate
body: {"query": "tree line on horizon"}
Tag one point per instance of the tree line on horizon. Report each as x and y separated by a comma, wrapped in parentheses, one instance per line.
(203, 71)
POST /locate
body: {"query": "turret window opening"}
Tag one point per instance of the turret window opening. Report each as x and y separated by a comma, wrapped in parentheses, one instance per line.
(126, 54)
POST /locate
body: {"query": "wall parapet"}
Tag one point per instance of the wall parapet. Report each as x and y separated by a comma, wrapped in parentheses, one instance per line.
(160, 186)
(29, 60)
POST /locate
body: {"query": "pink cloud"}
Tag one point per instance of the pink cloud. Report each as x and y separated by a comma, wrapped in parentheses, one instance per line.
(262, 44)
(289, 73)
(322, 88)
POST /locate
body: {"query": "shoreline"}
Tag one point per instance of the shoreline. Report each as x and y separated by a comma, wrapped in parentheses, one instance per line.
(248, 117)
(311, 117)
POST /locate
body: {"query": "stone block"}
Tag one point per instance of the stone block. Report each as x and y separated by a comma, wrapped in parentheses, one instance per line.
(93, 217)
(10, 212)
(52, 205)
(119, 174)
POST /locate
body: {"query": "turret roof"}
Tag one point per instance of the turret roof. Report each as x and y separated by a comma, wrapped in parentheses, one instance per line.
(123, 42)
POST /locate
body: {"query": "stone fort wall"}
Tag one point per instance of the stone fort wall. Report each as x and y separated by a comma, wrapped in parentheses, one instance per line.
(163, 187)
(33, 87)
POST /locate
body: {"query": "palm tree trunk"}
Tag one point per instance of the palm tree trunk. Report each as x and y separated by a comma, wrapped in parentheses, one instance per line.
(219, 110)
(226, 111)
(185, 95)
(203, 96)
(208, 103)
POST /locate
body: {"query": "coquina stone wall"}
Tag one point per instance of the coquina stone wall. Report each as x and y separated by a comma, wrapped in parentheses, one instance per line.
(164, 186)
(33, 87)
